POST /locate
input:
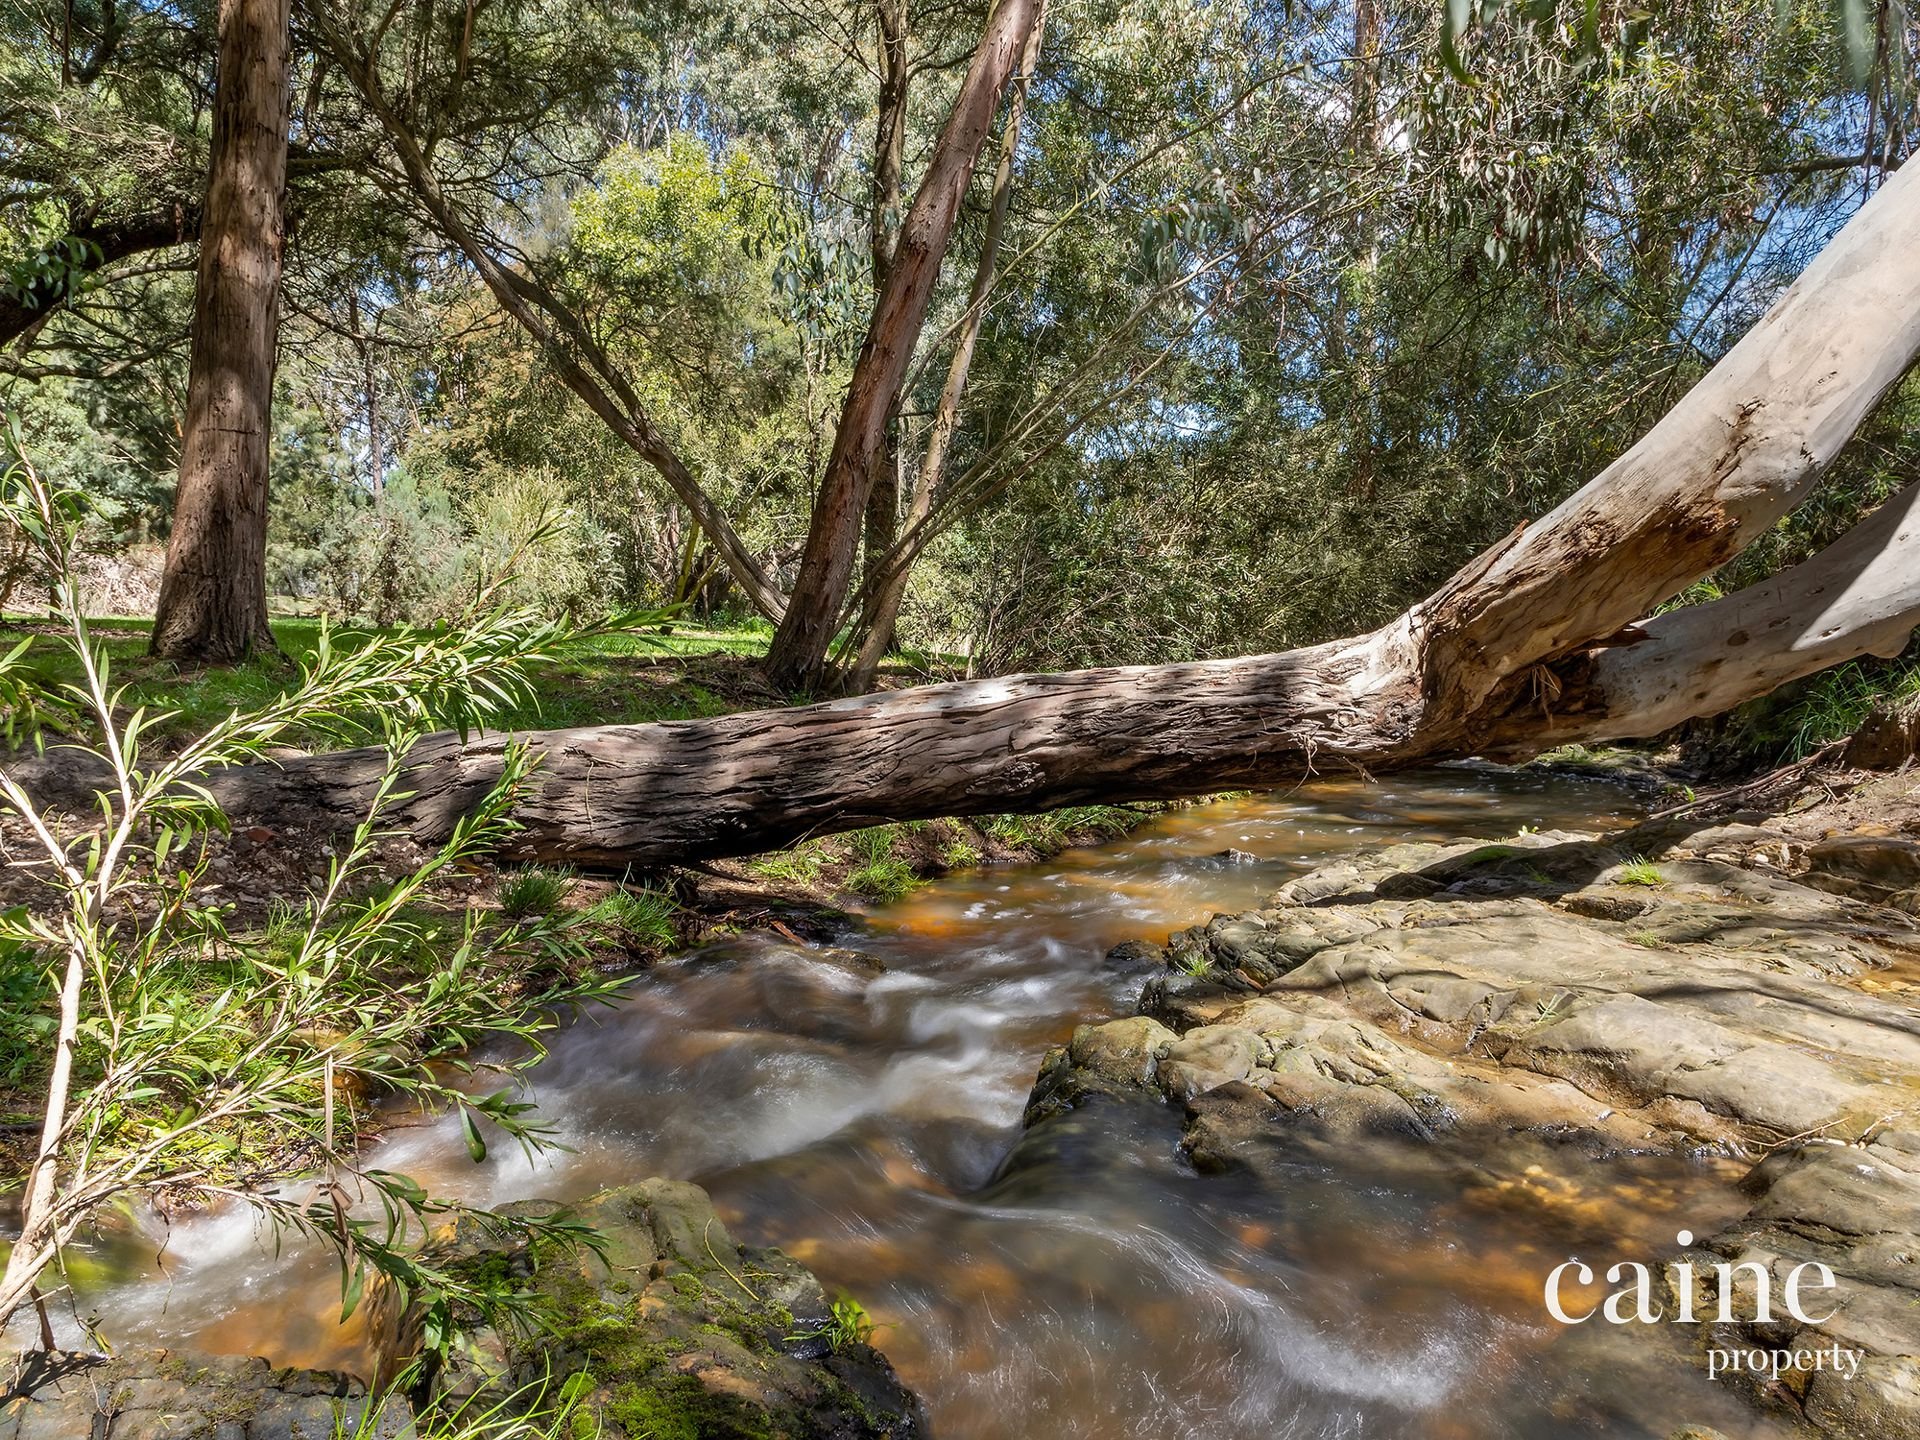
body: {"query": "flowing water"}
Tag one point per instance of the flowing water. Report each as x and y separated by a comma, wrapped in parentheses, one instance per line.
(860, 1107)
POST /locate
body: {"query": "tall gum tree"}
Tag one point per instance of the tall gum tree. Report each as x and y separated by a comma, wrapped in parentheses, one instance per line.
(797, 658)
(889, 560)
(213, 592)
(1539, 641)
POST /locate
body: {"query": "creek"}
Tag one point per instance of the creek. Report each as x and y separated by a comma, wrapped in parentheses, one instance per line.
(860, 1106)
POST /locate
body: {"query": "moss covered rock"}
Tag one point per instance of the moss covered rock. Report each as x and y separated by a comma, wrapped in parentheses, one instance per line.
(184, 1395)
(672, 1330)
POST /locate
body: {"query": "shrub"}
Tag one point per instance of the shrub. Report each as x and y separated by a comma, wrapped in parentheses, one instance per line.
(176, 1056)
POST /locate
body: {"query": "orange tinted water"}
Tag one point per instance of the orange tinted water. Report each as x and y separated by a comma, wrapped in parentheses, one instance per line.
(1080, 1280)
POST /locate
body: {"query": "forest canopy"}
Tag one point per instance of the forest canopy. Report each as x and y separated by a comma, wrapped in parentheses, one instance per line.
(1275, 314)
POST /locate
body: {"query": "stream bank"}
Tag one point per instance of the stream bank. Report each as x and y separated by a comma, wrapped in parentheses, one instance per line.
(664, 1328)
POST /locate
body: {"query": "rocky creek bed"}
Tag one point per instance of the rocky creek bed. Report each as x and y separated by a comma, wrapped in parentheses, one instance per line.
(1735, 988)
(1301, 1170)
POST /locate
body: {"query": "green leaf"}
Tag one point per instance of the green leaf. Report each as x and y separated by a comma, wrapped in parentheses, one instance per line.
(1455, 20)
(476, 1146)
(353, 1287)
(1857, 28)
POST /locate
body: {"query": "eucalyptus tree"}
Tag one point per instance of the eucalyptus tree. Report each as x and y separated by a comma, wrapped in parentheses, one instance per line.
(1550, 255)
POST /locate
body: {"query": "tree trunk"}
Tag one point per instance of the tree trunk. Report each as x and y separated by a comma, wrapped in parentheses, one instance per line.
(889, 139)
(1530, 645)
(370, 387)
(798, 654)
(213, 591)
(1859, 596)
(889, 162)
(886, 582)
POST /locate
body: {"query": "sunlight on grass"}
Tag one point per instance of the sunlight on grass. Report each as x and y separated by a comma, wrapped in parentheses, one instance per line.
(619, 679)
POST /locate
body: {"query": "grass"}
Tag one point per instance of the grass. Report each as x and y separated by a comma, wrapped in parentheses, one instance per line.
(634, 920)
(885, 862)
(879, 873)
(533, 891)
(849, 1324)
(959, 853)
(1639, 871)
(803, 865)
(417, 943)
(1834, 704)
(1052, 831)
(608, 680)
(539, 1410)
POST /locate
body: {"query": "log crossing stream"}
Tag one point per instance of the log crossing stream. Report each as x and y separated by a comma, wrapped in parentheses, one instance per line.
(860, 1106)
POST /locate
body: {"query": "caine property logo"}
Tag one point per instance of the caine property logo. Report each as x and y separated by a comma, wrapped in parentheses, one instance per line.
(1632, 1302)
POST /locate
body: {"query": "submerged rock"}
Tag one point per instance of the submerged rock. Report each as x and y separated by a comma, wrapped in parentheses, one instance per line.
(1669, 989)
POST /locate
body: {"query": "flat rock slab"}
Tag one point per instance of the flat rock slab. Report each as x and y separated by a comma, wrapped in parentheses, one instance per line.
(1730, 987)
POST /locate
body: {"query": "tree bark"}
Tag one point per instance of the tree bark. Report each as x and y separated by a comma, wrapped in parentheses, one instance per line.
(798, 655)
(1859, 596)
(889, 140)
(889, 162)
(213, 591)
(886, 581)
(1530, 645)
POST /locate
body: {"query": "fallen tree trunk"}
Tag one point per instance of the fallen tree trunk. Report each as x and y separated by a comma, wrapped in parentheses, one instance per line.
(655, 794)
(1531, 645)
(1859, 596)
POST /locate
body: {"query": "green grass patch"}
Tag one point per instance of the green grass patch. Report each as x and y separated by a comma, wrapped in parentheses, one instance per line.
(878, 872)
(1052, 831)
(634, 919)
(1638, 871)
(616, 679)
(803, 865)
(533, 891)
(1834, 704)
(959, 853)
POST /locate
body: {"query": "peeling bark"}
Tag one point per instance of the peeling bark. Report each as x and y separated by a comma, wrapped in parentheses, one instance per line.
(1859, 596)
